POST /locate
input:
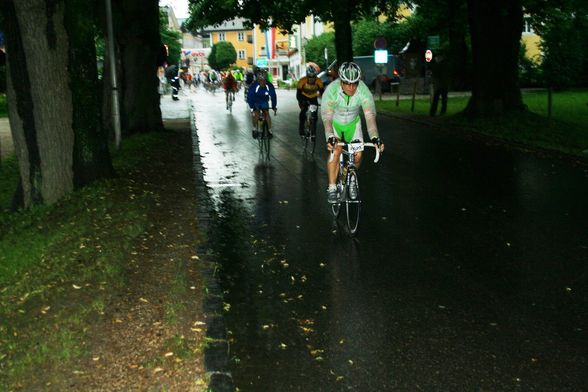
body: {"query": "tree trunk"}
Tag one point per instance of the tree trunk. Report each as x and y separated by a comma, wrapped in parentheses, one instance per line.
(458, 54)
(343, 36)
(495, 28)
(40, 103)
(91, 156)
(139, 43)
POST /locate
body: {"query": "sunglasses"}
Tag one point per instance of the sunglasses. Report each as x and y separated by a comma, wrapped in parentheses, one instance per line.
(350, 84)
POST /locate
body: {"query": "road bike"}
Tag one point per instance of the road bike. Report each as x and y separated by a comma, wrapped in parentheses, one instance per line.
(230, 99)
(263, 135)
(310, 128)
(348, 183)
(246, 91)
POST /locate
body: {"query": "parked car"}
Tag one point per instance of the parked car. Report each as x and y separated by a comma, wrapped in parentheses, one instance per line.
(328, 75)
(386, 82)
(324, 76)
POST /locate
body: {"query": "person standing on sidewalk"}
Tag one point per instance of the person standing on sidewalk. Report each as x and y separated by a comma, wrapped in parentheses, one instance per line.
(441, 80)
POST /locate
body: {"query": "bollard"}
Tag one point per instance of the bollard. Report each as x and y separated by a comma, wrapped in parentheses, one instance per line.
(549, 102)
(413, 96)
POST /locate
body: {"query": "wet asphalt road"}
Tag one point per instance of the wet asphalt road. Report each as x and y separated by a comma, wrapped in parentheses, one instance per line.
(469, 271)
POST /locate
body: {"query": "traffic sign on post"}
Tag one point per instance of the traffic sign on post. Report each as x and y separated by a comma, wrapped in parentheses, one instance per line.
(380, 43)
(433, 41)
(428, 55)
(261, 62)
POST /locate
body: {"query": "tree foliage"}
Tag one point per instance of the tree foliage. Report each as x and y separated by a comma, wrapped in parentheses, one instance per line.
(367, 30)
(224, 55)
(290, 12)
(563, 28)
(170, 38)
(315, 48)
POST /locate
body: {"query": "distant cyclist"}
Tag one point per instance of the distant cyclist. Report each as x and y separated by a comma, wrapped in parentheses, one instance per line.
(341, 103)
(307, 92)
(249, 77)
(230, 86)
(259, 96)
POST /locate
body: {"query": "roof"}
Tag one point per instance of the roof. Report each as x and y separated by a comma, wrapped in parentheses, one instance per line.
(230, 25)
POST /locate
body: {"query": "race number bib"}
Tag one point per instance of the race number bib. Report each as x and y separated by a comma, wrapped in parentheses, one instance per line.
(355, 147)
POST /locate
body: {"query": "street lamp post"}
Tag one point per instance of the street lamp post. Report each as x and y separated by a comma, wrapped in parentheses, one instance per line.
(113, 85)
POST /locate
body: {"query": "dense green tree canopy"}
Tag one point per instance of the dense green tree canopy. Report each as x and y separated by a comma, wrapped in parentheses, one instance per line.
(222, 55)
(286, 13)
(315, 49)
(367, 30)
(563, 28)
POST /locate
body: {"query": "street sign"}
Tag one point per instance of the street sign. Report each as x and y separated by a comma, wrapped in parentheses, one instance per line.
(428, 55)
(261, 62)
(381, 56)
(433, 41)
(380, 43)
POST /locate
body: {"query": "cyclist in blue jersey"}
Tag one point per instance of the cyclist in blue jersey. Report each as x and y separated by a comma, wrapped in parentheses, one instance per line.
(341, 102)
(258, 98)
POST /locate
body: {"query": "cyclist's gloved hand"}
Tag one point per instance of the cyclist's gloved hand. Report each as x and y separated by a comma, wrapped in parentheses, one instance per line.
(331, 143)
(275, 110)
(378, 142)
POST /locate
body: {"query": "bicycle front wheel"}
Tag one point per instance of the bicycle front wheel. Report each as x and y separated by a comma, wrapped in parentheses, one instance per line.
(312, 135)
(352, 201)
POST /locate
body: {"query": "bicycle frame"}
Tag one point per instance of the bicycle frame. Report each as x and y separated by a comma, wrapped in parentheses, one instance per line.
(310, 126)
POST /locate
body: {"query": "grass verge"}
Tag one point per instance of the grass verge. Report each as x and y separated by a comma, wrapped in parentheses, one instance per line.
(3, 106)
(566, 132)
(61, 264)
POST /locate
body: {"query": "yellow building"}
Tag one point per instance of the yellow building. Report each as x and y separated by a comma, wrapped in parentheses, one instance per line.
(234, 32)
(532, 42)
(252, 45)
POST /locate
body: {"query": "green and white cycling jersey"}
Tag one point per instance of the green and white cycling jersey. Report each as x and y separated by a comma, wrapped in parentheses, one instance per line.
(340, 112)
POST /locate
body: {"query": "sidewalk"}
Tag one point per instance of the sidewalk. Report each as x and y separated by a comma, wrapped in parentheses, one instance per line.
(171, 112)
(175, 110)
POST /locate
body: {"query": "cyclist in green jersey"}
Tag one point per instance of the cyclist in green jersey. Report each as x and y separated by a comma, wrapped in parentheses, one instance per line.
(341, 103)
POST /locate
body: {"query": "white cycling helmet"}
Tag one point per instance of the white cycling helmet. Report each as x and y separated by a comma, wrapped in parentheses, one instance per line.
(349, 72)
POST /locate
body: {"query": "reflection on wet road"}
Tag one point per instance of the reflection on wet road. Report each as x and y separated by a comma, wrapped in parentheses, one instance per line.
(469, 271)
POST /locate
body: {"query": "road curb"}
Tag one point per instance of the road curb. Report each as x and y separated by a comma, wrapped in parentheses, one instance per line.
(217, 350)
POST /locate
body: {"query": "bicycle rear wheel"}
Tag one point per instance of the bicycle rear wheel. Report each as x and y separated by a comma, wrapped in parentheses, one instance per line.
(305, 136)
(265, 141)
(352, 204)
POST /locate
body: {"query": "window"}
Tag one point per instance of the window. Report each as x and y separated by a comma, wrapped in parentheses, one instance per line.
(221, 37)
(242, 54)
(527, 26)
(241, 36)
